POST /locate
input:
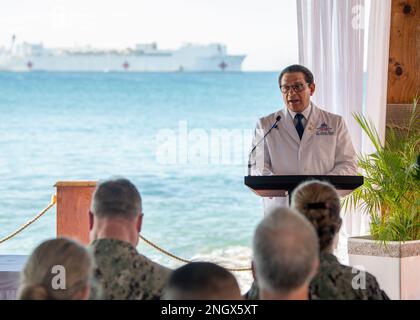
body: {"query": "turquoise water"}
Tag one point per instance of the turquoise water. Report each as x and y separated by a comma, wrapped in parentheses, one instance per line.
(90, 126)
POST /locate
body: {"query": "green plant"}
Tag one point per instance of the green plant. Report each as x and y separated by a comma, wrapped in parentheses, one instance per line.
(391, 190)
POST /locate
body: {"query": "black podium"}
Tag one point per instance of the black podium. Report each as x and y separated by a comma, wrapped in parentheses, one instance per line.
(283, 186)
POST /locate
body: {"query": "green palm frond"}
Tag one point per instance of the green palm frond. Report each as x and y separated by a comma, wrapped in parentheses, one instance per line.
(390, 194)
(369, 129)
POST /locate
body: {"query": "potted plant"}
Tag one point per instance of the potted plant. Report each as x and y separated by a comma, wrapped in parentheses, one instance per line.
(390, 196)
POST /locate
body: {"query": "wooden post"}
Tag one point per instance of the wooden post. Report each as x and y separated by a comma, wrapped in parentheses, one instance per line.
(73, 203)
(404, 60)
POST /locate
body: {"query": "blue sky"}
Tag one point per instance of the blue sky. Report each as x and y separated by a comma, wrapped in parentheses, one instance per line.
(265, 30)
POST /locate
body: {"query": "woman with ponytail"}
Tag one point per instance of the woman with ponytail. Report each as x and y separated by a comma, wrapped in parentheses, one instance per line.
(320, 204)
(58, 269)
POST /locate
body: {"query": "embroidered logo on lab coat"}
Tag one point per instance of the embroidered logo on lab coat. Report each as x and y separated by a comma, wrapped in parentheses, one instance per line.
(324, 130)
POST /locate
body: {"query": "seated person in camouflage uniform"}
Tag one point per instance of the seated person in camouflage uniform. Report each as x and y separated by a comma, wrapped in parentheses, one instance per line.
(320, 203)
(285, 255)
(202, 281)
(121, 273)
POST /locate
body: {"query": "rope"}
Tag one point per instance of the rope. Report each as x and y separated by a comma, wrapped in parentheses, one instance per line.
(27, 224)
(54, 201)
(181, 259)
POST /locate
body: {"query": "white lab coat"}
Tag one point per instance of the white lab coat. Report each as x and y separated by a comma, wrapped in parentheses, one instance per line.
(325, 148)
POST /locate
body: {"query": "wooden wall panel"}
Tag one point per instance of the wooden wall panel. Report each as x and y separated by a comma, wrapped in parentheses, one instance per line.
(404, 55)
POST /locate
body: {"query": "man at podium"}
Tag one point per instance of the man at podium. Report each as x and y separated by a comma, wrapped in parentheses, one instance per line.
(302, 139)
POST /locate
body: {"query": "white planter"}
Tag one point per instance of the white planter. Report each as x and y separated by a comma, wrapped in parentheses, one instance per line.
(396, 266)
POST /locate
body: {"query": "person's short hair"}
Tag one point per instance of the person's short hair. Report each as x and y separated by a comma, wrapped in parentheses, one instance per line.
(50, 257)
(285, 250)
(319, 202)
(202, 281)
(116, 198)
(309, 77)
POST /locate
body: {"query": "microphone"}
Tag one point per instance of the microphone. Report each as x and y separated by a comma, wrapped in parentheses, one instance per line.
(278, 118)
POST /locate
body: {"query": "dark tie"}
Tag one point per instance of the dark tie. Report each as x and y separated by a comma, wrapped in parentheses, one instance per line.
(299, 125)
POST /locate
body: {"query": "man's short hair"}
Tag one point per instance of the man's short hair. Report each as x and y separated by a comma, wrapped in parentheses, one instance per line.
(309, 77)
(202, 281)
(116, 198)
(285, 249)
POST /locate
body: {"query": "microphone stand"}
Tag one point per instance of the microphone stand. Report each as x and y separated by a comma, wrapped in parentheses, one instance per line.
(261, 140)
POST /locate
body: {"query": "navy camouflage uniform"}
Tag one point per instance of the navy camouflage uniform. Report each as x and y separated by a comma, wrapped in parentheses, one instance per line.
(334, 282)
(121, 273)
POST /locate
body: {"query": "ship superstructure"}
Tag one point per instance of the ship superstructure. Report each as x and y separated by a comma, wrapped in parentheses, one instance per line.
(140, 58)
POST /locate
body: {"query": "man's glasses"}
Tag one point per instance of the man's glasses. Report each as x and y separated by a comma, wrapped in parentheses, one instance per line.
(298, 87)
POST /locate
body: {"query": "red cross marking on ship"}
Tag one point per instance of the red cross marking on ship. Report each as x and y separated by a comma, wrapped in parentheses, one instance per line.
(223, 65)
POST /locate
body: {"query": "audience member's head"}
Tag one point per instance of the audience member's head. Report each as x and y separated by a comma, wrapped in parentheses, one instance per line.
(58, 269)
(285, 250)
(320, 204)
(202, 281)
(116, 211)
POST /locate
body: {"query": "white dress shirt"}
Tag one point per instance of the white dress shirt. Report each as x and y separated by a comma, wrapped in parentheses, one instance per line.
(306, 114)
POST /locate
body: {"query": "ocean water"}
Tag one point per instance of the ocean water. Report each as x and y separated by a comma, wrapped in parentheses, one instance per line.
(181, 138)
